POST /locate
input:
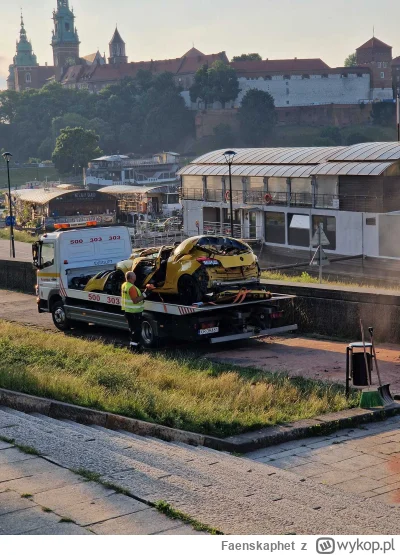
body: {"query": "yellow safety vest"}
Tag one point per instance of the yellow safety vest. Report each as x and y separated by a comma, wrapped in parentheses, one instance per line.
(126, 302)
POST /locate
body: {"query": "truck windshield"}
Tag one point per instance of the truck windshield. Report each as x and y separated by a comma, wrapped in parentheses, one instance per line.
(47, 258)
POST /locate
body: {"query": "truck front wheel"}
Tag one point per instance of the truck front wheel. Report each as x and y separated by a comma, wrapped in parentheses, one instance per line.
(60, 319)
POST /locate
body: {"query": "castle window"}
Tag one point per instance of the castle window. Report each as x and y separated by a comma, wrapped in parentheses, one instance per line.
(67, 27)
(379, 64)
(305, 76)
(382, 75)
(268, 77)
(324, 76)
(286, 77)
(28, 78)
(385, 64)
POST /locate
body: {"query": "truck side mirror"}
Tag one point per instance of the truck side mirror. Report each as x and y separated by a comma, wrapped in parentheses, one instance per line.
(37, 254)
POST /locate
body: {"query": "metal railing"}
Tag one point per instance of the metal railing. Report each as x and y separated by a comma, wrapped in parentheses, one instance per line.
(277, 198)
(240, 231)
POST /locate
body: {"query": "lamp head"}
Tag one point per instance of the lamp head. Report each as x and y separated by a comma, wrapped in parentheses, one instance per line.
(7, 156)
(229, 156)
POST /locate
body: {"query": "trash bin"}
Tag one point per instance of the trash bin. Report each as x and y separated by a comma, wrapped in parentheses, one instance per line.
(359, 372)
(355, 364)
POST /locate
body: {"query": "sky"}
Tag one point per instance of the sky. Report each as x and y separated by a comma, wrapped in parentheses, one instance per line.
(160, 29)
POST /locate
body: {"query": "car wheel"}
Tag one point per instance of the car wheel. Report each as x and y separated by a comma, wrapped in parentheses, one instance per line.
(149, 333)
(189, 290)
(60, 319)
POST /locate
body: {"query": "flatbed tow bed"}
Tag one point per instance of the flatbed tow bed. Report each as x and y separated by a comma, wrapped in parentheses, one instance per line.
(62, 255)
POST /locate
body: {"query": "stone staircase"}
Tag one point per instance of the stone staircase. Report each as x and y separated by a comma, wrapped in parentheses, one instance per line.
(233, 494)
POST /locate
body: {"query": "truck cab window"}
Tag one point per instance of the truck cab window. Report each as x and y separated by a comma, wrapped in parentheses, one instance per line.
(47, 258)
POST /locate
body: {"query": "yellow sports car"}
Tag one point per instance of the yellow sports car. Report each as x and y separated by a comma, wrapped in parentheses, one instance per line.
(204, 268)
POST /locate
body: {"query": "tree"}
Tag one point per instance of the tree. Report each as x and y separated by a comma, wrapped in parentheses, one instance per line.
(332, 133)
(351, 60)
(384, 113)
(75, 147)
(223, 136)
(218, 83)
(254, 57)
(257, 117)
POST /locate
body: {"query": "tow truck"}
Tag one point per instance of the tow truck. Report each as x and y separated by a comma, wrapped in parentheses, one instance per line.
(65, 255)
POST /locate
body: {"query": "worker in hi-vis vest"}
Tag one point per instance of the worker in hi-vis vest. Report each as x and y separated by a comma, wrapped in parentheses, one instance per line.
(132, 303)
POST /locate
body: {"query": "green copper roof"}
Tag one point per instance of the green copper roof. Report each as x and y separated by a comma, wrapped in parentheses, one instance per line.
(64, 28)
(24, 55)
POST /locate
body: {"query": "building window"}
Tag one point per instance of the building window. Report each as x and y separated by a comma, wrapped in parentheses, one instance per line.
(287, 101)
(382, 75)
(370, 221)
(299, 230)
(305, 76)
(324, 76)
(329, 227)
(385, 64)
(28, 78)
(379, 64)
(344, 75)
(287, 90)
(67, 27)
(286, 77)
(275, 227)
(268, 78)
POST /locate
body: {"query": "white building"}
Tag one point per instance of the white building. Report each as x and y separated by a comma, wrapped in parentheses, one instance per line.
(280, 195)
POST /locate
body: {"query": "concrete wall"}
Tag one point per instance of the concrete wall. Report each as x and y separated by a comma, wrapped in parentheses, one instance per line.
(336, 313)
(17, 276)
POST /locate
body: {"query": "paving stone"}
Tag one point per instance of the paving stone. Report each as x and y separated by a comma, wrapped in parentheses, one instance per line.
(266, 452)
(140, 523)
(20, 522)
(391, 497)
(310, 469)
(67, 496)
(5, 445)
(389, 479)
(8, 456)
(358, 463)
(286, 462)
(388, 448)
(24, 468)
(59, 529)
(38, 483)
(378, 472)
(333, 477)
(387, 488)
(102, 509)
(333, 453)
(11, 501)
(358, 485)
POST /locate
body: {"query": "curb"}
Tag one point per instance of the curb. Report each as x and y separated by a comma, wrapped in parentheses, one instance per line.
(242, 443)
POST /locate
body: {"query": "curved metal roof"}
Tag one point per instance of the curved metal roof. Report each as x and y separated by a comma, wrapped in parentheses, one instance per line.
(368, 152)
(304, 155)
(249, 171)
(352, 168)
(42, 196)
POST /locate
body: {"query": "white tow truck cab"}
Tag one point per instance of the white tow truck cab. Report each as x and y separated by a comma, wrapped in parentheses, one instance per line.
(64, 259)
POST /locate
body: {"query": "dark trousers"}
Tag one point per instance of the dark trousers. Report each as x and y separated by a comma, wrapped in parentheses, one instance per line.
(134, 320)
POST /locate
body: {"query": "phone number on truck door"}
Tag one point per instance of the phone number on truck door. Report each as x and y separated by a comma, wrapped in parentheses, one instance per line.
(110, 300)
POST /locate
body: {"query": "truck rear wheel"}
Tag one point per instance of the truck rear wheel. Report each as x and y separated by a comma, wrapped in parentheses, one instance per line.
(60, 319)
(149, 333)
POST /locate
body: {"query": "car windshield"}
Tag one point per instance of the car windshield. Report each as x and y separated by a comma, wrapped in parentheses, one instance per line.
(223, 245)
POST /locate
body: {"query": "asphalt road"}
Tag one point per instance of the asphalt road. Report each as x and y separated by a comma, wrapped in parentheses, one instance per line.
(23, 251)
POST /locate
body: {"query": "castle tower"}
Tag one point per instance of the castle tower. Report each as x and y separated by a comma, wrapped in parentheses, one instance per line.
(23, 62)
(65, 40)
(117, 50)
(377, 55)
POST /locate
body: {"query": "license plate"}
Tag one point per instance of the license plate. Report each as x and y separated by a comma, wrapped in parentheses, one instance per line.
(206, 331)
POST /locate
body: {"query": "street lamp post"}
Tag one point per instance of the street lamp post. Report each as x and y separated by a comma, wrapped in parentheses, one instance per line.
(7, 158)
(229, 156)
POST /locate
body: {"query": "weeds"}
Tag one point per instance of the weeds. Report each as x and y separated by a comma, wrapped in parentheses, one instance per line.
(26, 495)
(166, 509)
(46, 510)
(67, 520)
(181, 392)
(28, 450)
(22, 236)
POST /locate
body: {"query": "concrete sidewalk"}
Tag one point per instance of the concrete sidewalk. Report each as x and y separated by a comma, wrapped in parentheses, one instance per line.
(38, 497)
(23, 251)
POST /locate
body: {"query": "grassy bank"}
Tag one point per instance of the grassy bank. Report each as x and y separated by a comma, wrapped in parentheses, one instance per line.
(304, 277)
(22, 236)
(194, 395)
(20, 176)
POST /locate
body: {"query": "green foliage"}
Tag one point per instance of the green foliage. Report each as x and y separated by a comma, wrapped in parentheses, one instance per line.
(223, 136)
(124, 115)
(384, 113)
(218, 83)
(332, 133)
(354, 138)
(257, 117)
(75, 147)
(166, 509)
(254, 57)
(351, 60)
